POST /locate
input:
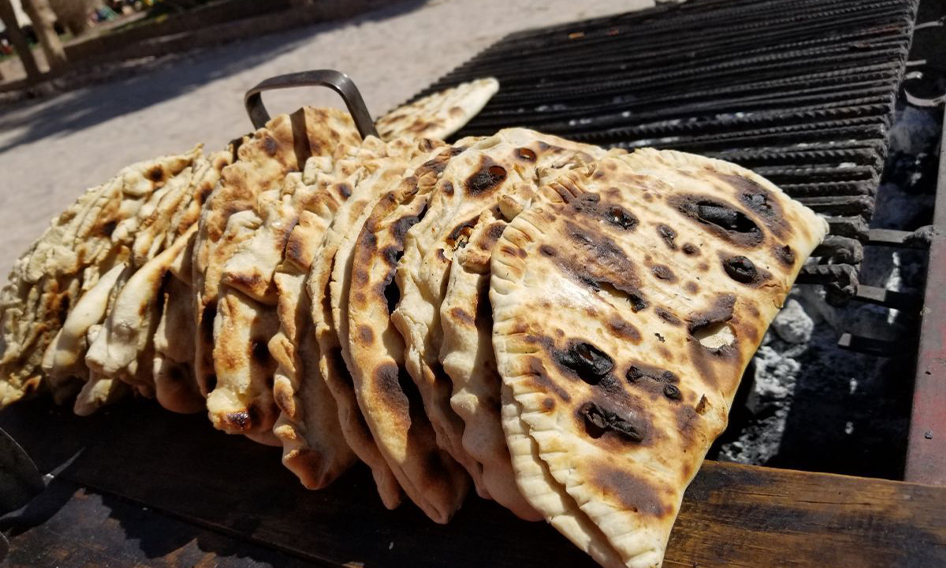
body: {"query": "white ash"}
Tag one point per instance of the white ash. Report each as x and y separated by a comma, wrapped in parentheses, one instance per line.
(814, 406)
(792, 324)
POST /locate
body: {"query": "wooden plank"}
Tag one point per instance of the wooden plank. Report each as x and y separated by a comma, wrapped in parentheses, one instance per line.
(70, 527)
(734, 516)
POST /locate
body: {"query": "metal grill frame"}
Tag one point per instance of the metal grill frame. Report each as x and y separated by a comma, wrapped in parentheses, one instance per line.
(816, 126)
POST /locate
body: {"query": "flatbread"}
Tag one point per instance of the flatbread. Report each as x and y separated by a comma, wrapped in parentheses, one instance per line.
(173, 367)
(314, 447)
(625, 311)
(496, 173)
(386, 394)
(263, 161)
(67, 260)
(163, 220)
(65, 356)
(438, 115)
(281, 222)
(467, 357)
(328, 286)
(300, 400)
(124, 348)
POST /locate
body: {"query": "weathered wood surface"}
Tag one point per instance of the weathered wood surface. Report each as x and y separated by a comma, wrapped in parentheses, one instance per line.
(70, 527)
(733, 516)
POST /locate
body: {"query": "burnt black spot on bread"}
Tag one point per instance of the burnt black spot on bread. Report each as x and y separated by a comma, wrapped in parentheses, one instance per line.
(547, 250)
(744, 271)
(389, 382)
(632, 493)
(585, 360)
(400, 227)
(344, 190)
(365, 335)
(664, 273)
(270, 146)
(460, 315)
(156, 174)
(668, 235)
(619, 217)
(691, 287)
(667, 316)
(785, 255)
(624, 330)
(391, 255)
(488, 176)
(599, 421)
(447, 187)
(723, 220)
(367, 240)
(720, 312)
(672, 392)
(525, 154)
(436, 165)
(640, 372)
(461, 232)
(239, 420)
(590, 205)
(761, 201)
(602, 266)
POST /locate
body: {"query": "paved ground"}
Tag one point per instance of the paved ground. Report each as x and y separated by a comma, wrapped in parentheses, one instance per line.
(50, 150)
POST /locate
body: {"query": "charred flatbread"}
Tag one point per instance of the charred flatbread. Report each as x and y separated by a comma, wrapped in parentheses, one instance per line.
(438, 115)
(386, 394)
(263, 160)
(87, 240)
(124, 348)
(499, 173)
(626, 308)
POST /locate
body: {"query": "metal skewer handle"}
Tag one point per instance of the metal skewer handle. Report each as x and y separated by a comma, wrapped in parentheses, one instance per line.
(338, 82)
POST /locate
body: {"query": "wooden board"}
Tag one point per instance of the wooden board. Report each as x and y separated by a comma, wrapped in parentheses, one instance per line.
(734, 516)
(71, 527)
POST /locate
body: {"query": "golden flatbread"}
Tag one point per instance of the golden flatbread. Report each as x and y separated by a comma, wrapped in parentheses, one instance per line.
(497, 173)
(626, 308)
(438, 115)
(85, 241)
(263, 160)
(386, 394)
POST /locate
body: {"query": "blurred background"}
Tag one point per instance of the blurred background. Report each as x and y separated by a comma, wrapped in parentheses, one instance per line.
(89, 86)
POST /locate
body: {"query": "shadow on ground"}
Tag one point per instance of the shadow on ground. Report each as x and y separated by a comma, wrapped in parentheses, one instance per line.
(162, 79)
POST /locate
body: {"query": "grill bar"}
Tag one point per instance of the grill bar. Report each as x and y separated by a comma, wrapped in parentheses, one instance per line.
(926, 444)
(801, 91)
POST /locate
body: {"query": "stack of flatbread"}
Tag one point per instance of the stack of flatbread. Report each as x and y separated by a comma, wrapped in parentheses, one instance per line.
(556, 327)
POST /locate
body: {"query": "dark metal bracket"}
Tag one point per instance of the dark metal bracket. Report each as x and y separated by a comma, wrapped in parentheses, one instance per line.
(920, 69)
(20, 480)
(338, 82)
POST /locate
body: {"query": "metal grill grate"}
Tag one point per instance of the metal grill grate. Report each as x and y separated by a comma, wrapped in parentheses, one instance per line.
(801, 91)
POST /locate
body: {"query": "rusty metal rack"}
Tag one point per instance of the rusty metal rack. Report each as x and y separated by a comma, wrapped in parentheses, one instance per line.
(801, 91)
